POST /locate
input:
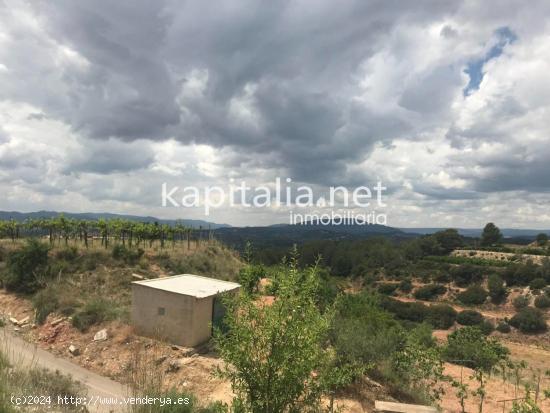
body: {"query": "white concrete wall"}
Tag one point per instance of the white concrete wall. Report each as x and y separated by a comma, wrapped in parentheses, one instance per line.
(187, 321)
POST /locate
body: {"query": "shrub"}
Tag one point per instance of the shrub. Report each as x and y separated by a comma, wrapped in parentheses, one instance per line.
(442, 278)
(27, 267)
(387, 288)
(249, 276)
(129, 256)
(94, 312)
(473, 295)
(469, 347)
(67, 254)
(537, 284)
(542, 301)
(486, 327)
(503, 327)
(429, 292)
(521, 301)
(415, 312)
(520, 274)
(497, 291)
(525, 406)
(465, 275)
(529, 320)
(469, 318)
(406, 286)
(364, 332)
(441, 316)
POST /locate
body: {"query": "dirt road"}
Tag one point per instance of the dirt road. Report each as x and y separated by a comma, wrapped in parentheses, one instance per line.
(27, 355)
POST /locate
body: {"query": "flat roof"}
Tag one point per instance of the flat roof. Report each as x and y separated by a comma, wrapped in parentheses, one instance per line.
(189, 284)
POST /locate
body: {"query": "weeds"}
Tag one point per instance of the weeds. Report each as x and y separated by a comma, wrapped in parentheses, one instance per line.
(94, 312)
(19, 379)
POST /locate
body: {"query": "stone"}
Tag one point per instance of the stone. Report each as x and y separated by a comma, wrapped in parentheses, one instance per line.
(101, 335)
(173, 366)
(185, 351)
(24, 321)
(14, 321)
(57, 321)
(160, 359)
(74, 350)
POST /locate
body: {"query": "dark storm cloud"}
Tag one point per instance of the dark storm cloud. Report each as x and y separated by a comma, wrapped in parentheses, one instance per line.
(127, 91)
(111, 156)
(513, 169)
(303, 58)
(305, 88)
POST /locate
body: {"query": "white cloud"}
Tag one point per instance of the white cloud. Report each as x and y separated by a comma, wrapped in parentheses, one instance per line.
(100, 105)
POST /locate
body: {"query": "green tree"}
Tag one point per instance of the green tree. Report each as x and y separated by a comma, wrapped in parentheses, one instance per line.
(449, 240)
(275, 354)
(542, 239)
(491, 235)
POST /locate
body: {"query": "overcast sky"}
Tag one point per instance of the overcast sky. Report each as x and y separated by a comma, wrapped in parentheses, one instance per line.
(446, 102)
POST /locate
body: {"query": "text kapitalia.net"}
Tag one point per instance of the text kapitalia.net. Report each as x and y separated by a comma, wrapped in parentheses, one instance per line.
(263, 196)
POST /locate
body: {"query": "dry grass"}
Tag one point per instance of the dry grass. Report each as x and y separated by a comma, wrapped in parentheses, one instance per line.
(19, 379)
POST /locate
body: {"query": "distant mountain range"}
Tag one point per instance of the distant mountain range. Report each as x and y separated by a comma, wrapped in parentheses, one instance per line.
(284, 234)
(476, 232)
(279, 234)
(21, 216)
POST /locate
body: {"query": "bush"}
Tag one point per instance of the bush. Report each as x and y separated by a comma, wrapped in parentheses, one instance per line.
(521, 301)
(486, 327)
(441, 316)
(542, 301)
(249, 276)
(406, 286)
(67, 254)
(465, 275)
(503, 327)
(27, 267)
(529, 320)
(94, 312)
(469, 318)
(387, 288)
(429, 292)
(129, 256)
(469, 347)
(497, 291)
(442, 278)
(520, 274)
(415, 312)
(364, 332)
(473, 295)
(537, 284)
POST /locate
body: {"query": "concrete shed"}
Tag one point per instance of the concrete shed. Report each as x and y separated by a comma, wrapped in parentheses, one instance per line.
(180, 309)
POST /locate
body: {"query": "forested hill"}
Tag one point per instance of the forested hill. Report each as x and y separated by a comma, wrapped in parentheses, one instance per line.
(21, 216)
(286, 235)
